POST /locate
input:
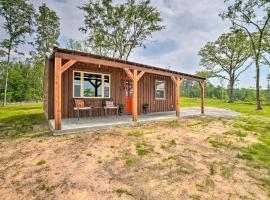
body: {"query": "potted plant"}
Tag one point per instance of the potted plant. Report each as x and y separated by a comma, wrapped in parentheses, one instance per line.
(145, 108)
(121, 109)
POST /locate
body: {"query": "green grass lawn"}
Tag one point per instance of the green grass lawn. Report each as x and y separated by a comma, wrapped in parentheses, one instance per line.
(242, 107)
(19, 120)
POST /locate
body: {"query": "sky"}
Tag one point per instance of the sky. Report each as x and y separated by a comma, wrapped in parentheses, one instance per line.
(190, 24)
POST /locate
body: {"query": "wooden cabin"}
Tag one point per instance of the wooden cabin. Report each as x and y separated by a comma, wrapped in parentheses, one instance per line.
(94, 79)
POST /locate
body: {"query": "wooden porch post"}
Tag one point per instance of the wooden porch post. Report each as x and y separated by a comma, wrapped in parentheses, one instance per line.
(57, 93)
(177, 82)
(201, 83)
(135, 96)
(135, 77)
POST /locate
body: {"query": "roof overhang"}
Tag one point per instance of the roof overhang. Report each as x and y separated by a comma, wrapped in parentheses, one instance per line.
(118, 63)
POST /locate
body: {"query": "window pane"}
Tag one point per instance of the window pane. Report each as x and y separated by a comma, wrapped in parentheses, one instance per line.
(160, 89)
(160, 85)
(77, 84)
(77, 91)
(92, 85)
(106, 86)
(77, 78)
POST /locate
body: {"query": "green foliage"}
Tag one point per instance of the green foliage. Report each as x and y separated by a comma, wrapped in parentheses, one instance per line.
(253, 18)
(129, 161)
(121, 191)
(41, 162)
(244, 156)
(268, 89)
(25, 82)
(116, 29)
(136, 132)
(47, 31)
(237, 133)
(212, 168)
(191, 89)
(143, 149)
(226, 172)
(77, 45)
(173, 142)
(220, 143)
(226, 58)
(174, 124)
(18, 20)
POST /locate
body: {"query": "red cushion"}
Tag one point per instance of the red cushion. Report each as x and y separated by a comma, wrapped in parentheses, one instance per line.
(109, 103)
(79, 103)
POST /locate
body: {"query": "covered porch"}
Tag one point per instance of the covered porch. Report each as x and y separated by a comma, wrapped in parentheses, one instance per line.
(64, 59)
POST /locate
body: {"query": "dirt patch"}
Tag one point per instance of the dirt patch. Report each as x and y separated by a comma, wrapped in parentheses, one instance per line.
(161, 160)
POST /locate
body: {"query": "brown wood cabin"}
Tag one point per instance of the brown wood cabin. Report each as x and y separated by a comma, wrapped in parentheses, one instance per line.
(73, 75)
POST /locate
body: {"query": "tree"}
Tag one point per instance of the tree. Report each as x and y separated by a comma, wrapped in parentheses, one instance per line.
(266, 47)
(47, 32)
(77, 45)
(226, 58)
(24, 82)
(115, 30)
(251, 16)
(268, 89)
(18, 20)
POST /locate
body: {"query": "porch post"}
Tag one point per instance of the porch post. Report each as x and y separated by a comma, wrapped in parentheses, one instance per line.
(135, 97)
(177, 82)
(57, 93)
(135, 77)
(201, 83)
(177, 99)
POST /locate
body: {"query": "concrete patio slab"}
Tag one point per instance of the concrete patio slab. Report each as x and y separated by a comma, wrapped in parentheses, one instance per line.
(73, 125)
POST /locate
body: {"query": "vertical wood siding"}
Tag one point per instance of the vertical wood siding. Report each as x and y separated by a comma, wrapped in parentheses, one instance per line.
(146, 91)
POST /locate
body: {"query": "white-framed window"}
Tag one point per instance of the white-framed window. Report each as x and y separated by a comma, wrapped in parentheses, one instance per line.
(159, 89)
(91, 85)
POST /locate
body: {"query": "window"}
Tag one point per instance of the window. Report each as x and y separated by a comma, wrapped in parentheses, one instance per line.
(91, 85)
(159, 89)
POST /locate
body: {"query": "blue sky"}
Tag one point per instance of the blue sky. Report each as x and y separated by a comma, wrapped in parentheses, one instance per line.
(190, 24)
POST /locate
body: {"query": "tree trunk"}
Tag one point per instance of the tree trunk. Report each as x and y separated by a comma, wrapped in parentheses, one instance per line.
(6, 79)
(231, 91)
(258, 99)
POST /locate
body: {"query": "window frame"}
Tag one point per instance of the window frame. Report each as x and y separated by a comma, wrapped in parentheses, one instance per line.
(82, 85)
(164, 81)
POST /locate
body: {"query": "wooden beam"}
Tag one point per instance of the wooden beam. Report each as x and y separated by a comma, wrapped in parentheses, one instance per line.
(68, 65)
(174, 80)
(201, 83)
(177, 82)
(135, 96)
(129, 73)
(117, 64)
(57, 93)
(140, 75)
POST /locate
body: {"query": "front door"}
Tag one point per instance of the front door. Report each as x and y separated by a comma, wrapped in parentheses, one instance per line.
(128, 88)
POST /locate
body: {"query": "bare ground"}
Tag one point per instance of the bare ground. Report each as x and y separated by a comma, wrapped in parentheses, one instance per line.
(194, 158)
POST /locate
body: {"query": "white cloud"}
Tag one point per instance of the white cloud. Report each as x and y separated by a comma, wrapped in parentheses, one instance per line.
(190, 24)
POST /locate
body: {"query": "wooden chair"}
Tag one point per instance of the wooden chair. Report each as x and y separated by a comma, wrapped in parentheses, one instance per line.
(110, 105)
(80, 105)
